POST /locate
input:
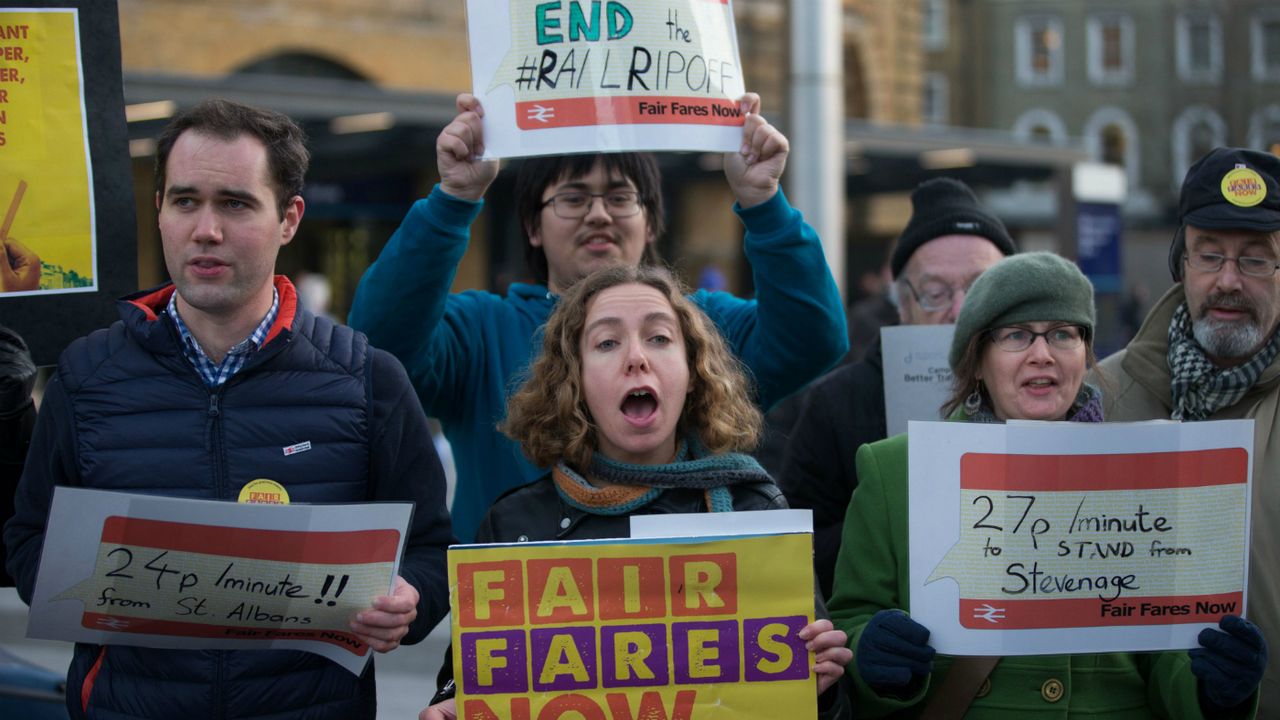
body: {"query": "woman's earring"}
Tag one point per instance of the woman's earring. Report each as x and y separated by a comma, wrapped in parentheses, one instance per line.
(974, 401)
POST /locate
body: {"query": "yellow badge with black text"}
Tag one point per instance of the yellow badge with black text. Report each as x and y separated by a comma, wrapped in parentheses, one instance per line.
(1243, 187)
(264, 491)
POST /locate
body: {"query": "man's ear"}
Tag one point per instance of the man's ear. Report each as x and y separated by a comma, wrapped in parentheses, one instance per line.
(535, 235)
(157, 201)
(292, 217)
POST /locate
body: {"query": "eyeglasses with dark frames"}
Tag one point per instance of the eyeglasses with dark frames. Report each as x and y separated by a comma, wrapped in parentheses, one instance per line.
(1209, 262)
(576, 204)
(1016, 339)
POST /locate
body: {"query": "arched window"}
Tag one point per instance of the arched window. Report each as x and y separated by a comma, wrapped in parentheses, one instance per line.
(1042, 126)
(1111, 136)
(1264, 129)
(299, 64)
(1195, 132)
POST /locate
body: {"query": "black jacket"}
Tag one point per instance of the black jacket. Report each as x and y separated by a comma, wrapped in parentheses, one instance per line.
(843, 410)
(127, 412)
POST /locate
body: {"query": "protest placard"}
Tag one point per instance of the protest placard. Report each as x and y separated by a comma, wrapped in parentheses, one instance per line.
(680, 628)
(917, 375)
(173, 573)
(66, 184)
(604, 75)
(1034, 538)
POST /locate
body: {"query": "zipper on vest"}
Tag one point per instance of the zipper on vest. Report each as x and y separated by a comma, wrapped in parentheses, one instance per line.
(216, 446)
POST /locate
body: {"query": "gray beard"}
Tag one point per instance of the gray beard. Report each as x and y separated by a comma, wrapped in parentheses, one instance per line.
(1227, 340)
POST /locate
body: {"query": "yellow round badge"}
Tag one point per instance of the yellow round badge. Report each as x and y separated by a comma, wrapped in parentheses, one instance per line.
(265, 491)
(1243, 187)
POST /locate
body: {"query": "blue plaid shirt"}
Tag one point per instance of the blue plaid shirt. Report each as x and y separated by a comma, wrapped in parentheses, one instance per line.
(215, 374)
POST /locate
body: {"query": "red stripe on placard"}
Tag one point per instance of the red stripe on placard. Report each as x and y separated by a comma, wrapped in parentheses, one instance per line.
(126, 624)
(331, 548)
(586, 111)
(1094, 612)
(1133, 471)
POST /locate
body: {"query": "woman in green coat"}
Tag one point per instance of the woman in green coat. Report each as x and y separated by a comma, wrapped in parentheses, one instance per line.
(1022, 347)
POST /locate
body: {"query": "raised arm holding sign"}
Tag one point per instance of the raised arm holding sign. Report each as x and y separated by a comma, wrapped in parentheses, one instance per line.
(579, 213)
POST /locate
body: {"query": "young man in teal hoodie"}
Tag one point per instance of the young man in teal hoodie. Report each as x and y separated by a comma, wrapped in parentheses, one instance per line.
(464, 350)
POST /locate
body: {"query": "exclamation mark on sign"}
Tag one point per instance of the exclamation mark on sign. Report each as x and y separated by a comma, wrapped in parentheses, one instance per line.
(328, 582)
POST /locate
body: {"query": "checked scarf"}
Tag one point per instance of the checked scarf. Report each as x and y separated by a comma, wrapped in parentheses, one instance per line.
(1199, 387)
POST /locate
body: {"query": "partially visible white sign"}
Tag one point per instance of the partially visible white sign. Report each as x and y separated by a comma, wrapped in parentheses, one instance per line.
(589, 76)
(127, 569)
(1047, 538)
(917, 376)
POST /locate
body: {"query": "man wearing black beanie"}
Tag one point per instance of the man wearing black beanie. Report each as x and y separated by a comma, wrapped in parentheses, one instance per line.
(948, 242)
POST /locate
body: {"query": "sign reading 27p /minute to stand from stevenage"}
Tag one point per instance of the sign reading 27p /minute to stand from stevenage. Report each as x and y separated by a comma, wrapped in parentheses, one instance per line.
(565, 76)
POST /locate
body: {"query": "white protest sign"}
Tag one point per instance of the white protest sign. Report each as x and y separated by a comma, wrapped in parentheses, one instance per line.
(917, 376)
(1045, 538)
(566, 76)
(126, 569)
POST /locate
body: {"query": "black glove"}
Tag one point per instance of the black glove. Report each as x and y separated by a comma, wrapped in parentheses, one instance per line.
(892, 654)
(17, 373)
(1229, 663)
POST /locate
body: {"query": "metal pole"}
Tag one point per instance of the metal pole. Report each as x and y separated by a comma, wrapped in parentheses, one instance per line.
(817, 165)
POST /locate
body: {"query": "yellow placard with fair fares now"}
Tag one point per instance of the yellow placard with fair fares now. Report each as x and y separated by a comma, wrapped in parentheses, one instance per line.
(46, 203)
(676, 628)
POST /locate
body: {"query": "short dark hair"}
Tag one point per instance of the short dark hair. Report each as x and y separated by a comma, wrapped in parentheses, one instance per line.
(535, 175)
(286, 142)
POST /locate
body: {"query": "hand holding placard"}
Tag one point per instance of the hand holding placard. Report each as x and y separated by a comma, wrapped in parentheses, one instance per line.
(19, 265)
(756, 169)
(458, 150)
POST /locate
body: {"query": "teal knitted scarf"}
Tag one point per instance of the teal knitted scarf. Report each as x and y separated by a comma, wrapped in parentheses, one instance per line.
(625, 488)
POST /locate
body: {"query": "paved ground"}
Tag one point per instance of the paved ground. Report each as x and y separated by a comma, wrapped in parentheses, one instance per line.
(406, 677)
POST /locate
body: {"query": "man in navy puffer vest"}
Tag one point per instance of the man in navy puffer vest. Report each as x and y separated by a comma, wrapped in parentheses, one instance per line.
(202, 387)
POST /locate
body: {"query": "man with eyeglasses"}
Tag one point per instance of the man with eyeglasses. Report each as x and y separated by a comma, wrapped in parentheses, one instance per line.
(1209, 349)
(579, 213)
(948, 242)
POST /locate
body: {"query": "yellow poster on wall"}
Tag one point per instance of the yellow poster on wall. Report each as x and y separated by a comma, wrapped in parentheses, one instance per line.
(689, 629)
(47, 229)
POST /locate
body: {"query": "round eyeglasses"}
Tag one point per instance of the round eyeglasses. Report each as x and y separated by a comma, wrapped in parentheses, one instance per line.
(1017, 339)
(576, 204)
(1208, 262)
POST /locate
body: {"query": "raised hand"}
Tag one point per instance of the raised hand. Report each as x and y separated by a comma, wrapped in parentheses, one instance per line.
(755, 170)
(458, 149)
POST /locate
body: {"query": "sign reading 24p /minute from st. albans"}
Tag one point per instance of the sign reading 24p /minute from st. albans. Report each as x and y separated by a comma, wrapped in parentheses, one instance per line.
(559, 76)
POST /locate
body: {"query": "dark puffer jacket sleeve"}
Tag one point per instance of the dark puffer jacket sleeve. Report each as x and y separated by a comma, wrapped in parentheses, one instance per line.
(406, 467)
(50, 462)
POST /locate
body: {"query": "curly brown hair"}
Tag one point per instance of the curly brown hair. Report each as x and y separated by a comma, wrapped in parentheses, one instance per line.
(548, 415)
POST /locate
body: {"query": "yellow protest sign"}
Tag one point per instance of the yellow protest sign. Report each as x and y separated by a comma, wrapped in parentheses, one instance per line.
(679, 628)
(45, 183)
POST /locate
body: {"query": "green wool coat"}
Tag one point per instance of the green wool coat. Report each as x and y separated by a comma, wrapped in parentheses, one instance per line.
(872, 574)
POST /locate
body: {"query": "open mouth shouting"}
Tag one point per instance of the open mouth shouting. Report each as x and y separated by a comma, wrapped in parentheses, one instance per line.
(640, 407)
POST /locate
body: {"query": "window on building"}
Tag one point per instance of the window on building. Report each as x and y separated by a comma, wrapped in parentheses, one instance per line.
(1265, 37)
(1038, 50)
(1110, 49)
(1111, 136)
(1040, 125)
(936, 108)
(1195, 132)
(933, 24)
(1199, 48)
(1114, 145)
(1264, 129)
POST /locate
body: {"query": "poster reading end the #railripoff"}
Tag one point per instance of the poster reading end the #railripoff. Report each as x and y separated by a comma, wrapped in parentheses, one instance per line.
(566, 76)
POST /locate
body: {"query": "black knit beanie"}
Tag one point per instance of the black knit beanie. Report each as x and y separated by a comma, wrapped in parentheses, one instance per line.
(946, 206)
